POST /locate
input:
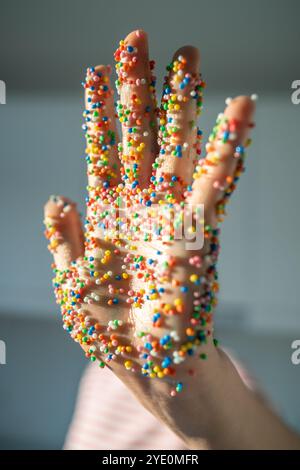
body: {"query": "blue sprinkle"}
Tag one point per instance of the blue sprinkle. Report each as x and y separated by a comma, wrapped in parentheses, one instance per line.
(166, 362)
(239, 149)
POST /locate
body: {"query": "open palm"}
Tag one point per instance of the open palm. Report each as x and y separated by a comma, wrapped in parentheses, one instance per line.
(138, 288)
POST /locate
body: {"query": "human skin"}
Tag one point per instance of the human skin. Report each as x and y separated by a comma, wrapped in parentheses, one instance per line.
(214, 409)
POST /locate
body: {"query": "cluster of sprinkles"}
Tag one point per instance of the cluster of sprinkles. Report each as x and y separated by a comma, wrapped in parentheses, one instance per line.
(107, 275)
(181, 88)
(182, 91)
(225, 131)
(100, 137)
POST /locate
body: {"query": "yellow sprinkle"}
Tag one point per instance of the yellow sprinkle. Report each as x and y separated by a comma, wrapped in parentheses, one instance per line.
(153, 296)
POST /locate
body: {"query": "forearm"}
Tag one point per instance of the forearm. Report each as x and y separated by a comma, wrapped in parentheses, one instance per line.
(216, 410)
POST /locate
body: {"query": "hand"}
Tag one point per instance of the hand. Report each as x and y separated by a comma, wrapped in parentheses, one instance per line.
(142, 301)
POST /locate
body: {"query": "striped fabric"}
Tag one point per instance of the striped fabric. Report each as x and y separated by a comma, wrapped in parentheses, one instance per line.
(108, 417)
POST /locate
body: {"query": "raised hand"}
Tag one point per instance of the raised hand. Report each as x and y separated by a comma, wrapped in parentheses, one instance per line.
(137, 289)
